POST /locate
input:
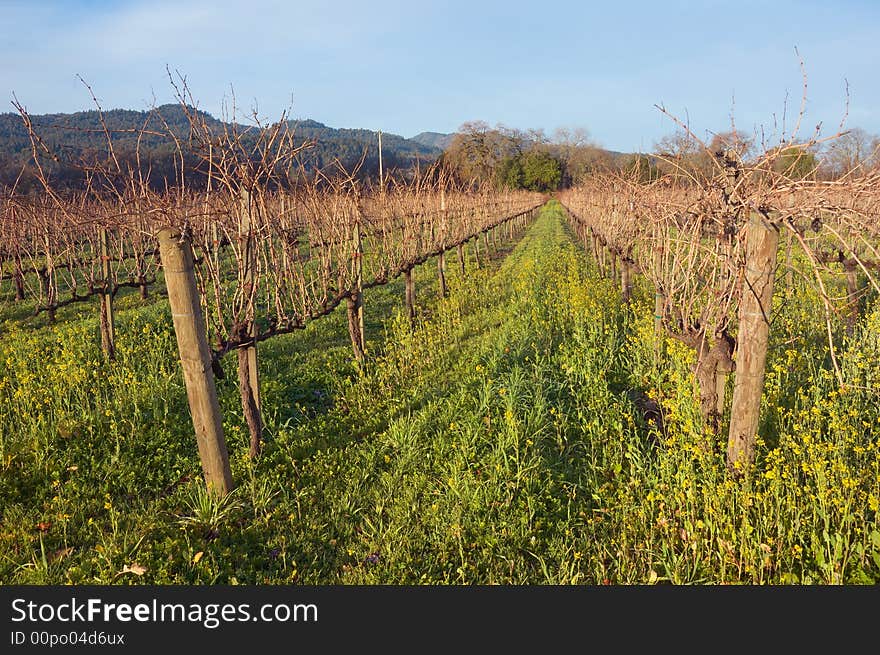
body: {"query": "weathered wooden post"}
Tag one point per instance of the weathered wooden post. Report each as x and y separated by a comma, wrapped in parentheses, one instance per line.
(18, 276)
(355, 302)
(659, 306)
(47, 283)
(460, 251)
(195, 359)
(597, 256)
(381, 172)
(659, 294)
(108, 331)
(789, 272)
(248, 368)
(625, 280)
(851, 269)
(441, 258)
(410, 292)
(762, 240)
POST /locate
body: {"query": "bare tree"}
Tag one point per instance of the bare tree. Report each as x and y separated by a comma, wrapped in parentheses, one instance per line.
(853, 153)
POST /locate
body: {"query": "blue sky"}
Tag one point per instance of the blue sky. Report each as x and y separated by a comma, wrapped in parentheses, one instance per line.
(410, 66)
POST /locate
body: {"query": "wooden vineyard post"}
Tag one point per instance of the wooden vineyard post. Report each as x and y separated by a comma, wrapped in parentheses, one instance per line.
(140, 260)
(381, 173)
(659, 306)
(410, 295)
(248, 368)
(625, 280)
(850, 268)
(762, 240)
(477, 251)
(789, 273)
(659, 303)
(108, 332)
(441, 258)
(19, 277)
(195, 359)
(46, 281)
(460, 251)
(355, 302)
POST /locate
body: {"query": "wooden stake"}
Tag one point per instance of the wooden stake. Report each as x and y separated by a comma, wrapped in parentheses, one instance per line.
(381, 174)
(625, 280)
(789, 273)
(46, 279)
(108, 332)
(659, 309)
(195, 358)
(441, 258)
(659, 302)
(410, 295)
(248, 367)
(441, 274)
(762, 240)
(355, 302)
(851, 269)
(19, 277)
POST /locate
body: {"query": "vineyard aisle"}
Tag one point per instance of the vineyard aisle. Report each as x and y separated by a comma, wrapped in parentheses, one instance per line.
(501, 438)
(460, 456)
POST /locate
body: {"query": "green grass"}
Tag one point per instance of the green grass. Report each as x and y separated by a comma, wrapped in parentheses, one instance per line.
(496, 442)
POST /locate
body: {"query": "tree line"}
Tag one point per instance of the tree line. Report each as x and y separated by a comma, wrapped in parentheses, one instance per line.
(533, 160)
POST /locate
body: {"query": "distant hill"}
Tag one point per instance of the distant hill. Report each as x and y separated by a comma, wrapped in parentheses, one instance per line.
(349, 145)
(433, 139)
(79, 137)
